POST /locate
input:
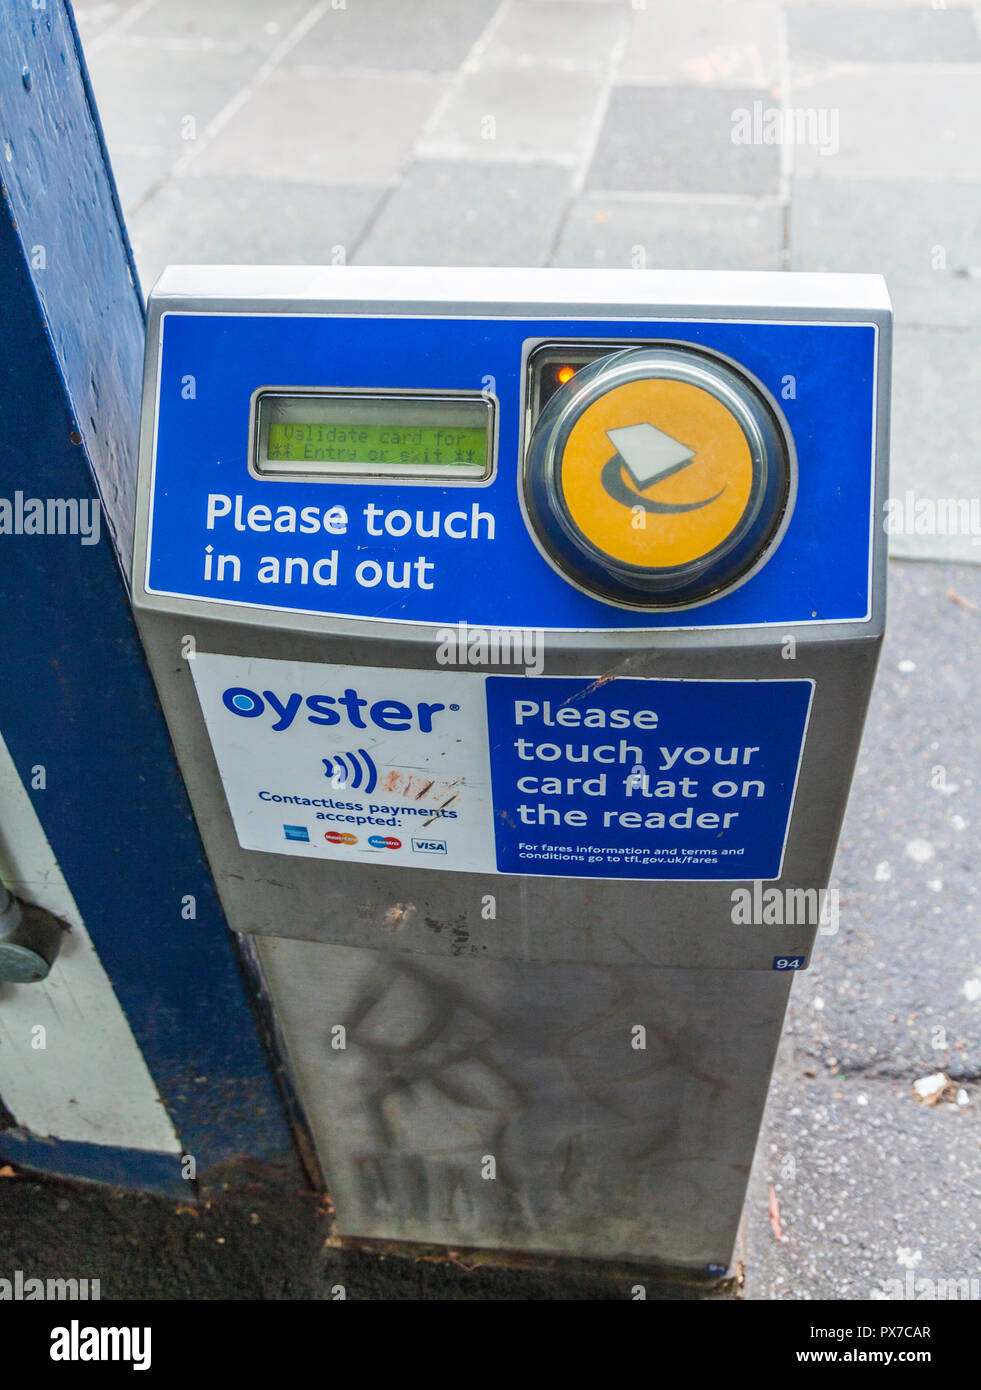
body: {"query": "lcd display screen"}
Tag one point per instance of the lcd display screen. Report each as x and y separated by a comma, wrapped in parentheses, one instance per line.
(411, 435)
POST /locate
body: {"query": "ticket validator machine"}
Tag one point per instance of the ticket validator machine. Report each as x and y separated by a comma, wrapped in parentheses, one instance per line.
(516, 630)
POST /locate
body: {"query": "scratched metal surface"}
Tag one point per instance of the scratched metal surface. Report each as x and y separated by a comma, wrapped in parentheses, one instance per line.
(600, 1148)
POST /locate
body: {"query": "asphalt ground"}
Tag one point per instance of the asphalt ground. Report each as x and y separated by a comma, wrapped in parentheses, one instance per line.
(869, 1181)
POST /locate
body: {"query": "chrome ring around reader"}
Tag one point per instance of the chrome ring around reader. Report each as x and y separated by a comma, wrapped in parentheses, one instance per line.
(740, 553)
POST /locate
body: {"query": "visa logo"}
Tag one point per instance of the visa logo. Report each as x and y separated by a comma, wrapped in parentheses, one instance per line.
(429, 846)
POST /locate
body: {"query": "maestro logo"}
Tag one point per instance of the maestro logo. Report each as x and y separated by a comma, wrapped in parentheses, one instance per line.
(657, 472)
(384, 842)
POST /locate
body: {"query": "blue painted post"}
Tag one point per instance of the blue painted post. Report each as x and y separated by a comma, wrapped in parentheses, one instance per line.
(76, 696)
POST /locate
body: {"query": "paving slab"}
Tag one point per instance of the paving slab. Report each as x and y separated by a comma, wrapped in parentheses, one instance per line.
(936, 425)
(892, 126)
(832, 5)
(94, 17)
(162, 98)
(860, 34)
(312, 125)
(561, 33)
(431, 37)
(209, 220)
(735, 44)
(535, 114)
(138, 171)
(925, 237)
(255, 24)
(680, 139)
(469, 214)
(603, 230)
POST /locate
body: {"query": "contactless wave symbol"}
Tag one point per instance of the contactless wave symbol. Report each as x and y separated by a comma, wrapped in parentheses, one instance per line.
(351, 770)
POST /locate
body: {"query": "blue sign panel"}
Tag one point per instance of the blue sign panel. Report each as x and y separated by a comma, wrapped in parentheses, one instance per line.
(657, 779)
(407, 551)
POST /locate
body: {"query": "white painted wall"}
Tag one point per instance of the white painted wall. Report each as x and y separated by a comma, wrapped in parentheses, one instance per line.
(89, 1082)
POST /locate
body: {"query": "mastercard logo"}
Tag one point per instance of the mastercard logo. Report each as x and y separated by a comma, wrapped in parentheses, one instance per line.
(340, 837)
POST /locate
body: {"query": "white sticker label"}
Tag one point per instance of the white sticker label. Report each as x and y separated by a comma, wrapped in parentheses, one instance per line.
(355, 763)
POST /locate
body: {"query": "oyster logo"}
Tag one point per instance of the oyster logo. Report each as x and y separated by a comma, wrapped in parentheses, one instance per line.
(392, 716)
(648, 456)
